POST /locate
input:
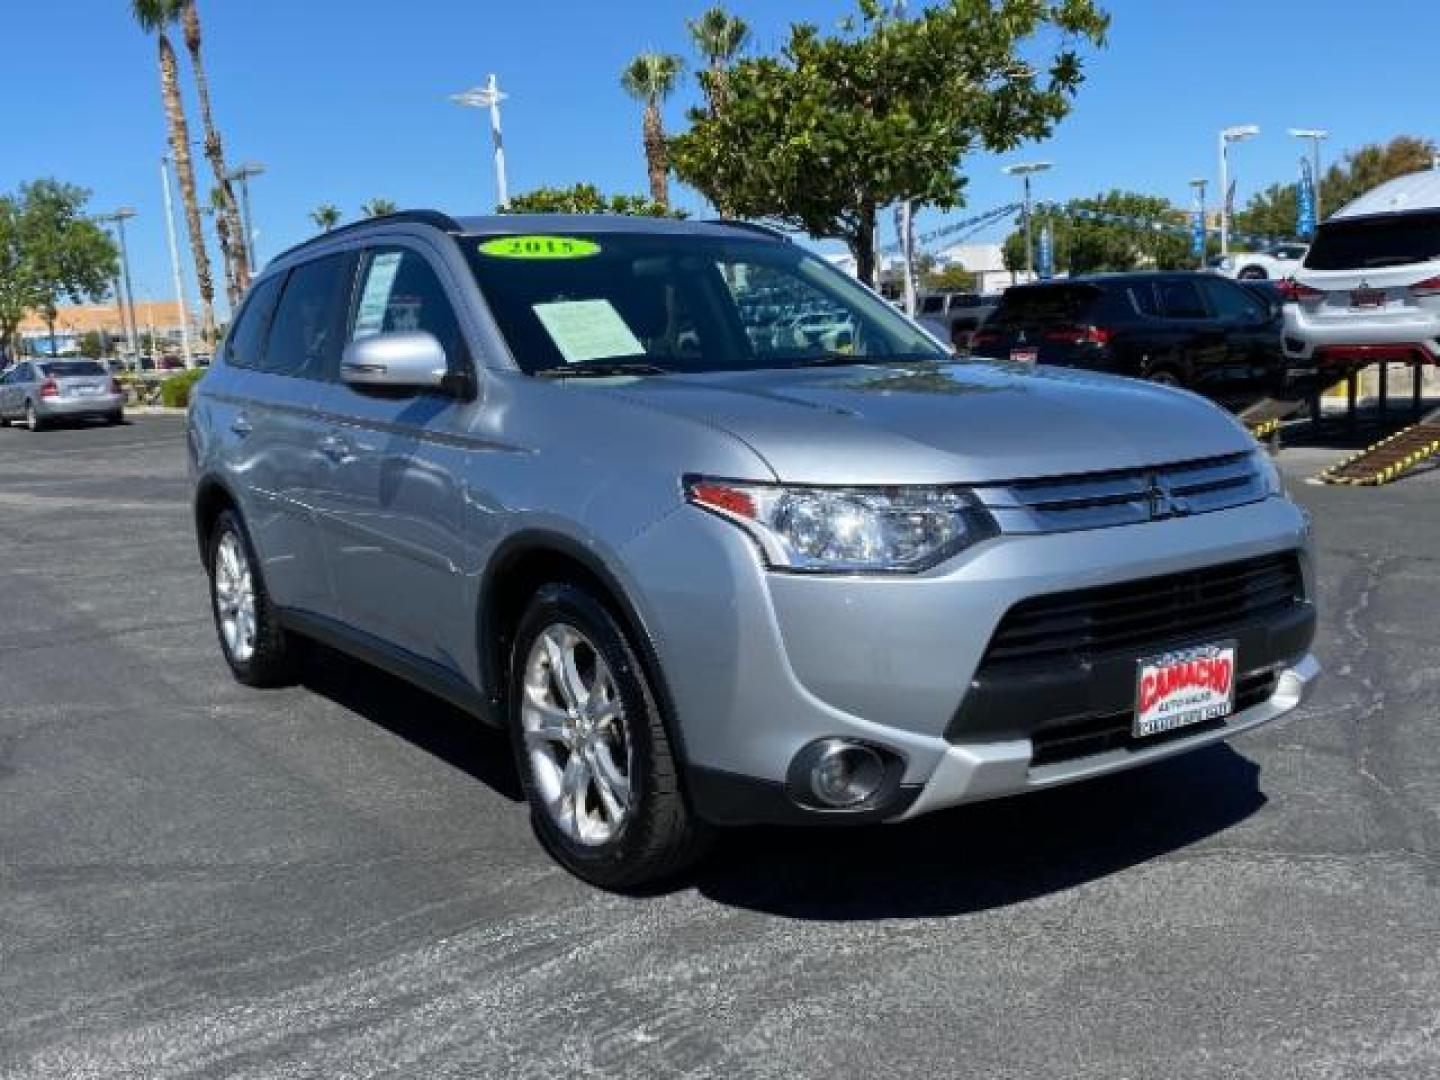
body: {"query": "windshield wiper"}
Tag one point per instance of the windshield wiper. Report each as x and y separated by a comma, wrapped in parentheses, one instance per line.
(600, 370)
(853, 359)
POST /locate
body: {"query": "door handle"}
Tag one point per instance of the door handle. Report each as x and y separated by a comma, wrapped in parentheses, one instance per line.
(241, 426)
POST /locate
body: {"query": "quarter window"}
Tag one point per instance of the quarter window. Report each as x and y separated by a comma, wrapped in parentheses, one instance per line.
(309, 325)
(1232, 302)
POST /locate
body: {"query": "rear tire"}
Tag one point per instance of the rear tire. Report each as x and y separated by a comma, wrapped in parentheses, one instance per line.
(580, 703)
(32, 418)
(255, 646)
(1252, 273)
(115, 418)
(1164, 377)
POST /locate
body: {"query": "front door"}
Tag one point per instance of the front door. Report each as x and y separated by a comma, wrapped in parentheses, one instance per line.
(393, 509)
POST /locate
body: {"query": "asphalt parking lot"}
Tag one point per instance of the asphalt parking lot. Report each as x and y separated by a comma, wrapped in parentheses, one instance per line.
(338, 880)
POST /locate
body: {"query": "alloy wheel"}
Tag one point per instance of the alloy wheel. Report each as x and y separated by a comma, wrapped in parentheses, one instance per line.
(576, 737)
(235, 597)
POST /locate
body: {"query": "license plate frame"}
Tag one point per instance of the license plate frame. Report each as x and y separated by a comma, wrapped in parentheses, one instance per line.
(1170, 694)
(1024, 356)
(1367, 299)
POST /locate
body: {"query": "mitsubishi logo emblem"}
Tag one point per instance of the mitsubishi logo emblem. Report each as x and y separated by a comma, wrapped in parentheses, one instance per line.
(1163, 502)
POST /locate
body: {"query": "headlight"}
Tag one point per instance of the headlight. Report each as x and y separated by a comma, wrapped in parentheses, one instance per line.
(848, 530)
(1268, 472)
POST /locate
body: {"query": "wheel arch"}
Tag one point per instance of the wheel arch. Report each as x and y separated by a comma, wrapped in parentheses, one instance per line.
(212, 497)
(524, 562)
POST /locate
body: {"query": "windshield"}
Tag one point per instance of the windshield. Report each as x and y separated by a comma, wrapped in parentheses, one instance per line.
(673, 303)
(1369, 242)
(68, 369)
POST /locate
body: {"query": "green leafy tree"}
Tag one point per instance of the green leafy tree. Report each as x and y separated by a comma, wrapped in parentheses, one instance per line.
(16, 292)
(1272, 211)
(650, 78)
(822, 135)
(325, 216)
(1152, 237)
(585, 199)
(378, 208)
(952, 278)
(63, 253)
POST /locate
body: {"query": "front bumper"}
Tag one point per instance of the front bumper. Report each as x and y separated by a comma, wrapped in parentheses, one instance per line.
(758, 664)
(71, 407)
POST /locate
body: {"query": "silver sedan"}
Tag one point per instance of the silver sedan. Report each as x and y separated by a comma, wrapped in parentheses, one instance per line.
(41, 392)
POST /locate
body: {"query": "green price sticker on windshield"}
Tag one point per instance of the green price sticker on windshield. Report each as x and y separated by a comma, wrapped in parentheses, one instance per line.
(539, 247)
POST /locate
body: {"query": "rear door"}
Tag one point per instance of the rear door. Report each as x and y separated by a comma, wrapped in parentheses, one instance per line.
(1254, 361)
(1202, 345)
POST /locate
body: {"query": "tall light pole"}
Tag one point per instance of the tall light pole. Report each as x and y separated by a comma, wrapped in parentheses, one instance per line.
(1316, 137)
(243, 173)
(1229, 135)
(175, 262)
(1026, 170)
(1199, 185)
(489, 97)
(127, 302)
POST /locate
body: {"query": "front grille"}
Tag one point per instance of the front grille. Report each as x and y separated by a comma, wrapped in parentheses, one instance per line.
(1149, 613)
(1089, 735)
(1125, 497)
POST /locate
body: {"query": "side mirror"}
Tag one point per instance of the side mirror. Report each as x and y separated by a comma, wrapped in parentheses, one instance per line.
(401, 360)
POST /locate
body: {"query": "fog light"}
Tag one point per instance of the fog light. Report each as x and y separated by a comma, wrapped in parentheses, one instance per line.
(845, 773)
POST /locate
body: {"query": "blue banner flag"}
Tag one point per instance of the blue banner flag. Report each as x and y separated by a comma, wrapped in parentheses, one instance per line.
(1197, 232)
(1305, 201)
(1046, 259)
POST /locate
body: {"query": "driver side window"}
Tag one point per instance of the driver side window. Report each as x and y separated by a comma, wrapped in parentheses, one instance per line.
(399, 290)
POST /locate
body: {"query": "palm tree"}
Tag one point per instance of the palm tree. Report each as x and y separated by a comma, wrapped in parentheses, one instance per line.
(227, 211)
(234, 290)
(378, 208)
(719, 37)
(154, 16)
(650, 78)
(327, 215)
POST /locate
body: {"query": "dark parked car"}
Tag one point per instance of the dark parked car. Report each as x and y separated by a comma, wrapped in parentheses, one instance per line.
(1199, 331)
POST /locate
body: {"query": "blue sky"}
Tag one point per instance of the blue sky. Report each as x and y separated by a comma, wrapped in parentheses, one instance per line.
(345, 101)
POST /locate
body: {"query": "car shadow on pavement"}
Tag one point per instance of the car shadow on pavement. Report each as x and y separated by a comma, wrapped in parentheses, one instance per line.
(987, 855)
(430, 723)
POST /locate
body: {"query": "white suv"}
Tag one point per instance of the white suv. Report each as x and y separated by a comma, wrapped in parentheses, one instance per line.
(1369, 289)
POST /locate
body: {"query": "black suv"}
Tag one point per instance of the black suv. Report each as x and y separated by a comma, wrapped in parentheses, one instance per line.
(1199, 331)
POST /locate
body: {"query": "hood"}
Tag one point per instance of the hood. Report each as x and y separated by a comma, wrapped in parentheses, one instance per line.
(961, 422)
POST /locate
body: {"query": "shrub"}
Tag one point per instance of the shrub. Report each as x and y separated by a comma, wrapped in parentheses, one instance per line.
(175, 391)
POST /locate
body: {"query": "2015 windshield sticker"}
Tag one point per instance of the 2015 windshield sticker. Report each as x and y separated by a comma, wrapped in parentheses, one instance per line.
(539, 247)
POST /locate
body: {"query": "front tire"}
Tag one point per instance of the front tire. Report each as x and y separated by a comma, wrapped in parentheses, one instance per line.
(254, 645)
(594, 757)
(1252, 273)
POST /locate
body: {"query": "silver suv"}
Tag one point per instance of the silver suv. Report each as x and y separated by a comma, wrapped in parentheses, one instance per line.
(544, 468)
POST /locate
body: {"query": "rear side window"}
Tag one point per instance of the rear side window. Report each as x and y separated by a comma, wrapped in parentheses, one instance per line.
(1036, 305)
(1371, 242)
(1180, 300)
(246, 344)
(1232, 301)
(308, 330)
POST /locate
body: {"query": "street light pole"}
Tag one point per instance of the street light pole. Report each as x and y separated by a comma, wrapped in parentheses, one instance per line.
(1199, 185)
(243, 173)
(1025, 171)
(1228, 135)
(126, 302)
(1316, 137)
(489, 97)
(175, 261)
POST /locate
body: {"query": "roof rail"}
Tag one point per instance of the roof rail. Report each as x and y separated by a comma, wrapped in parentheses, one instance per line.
(433, 218)
(751, 226)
